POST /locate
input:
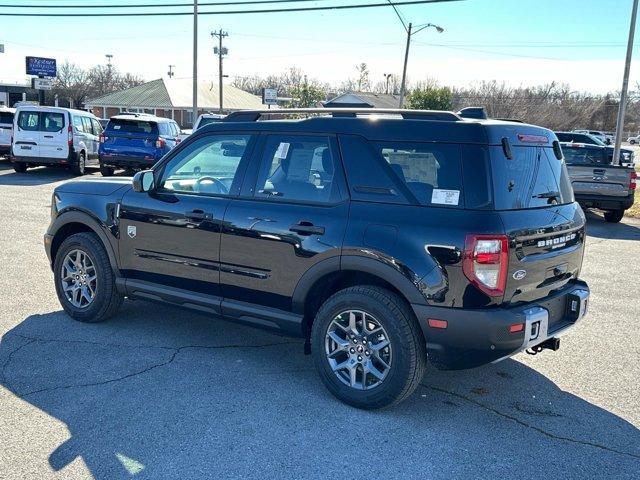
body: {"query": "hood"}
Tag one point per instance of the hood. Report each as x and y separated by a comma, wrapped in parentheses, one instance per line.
(95, 185)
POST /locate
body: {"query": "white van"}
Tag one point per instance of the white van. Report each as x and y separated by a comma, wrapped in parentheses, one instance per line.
(54, 136)
(6, 127)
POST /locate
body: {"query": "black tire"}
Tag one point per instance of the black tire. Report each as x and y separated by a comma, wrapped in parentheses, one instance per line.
(632, 142)
(20, 167)
(106, 171)
(107, 299)
(408, 346)
(614, 216)
(80, 167)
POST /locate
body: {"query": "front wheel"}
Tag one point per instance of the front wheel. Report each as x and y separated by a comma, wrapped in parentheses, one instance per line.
(85, 282)
(367, 347)
(614, 216)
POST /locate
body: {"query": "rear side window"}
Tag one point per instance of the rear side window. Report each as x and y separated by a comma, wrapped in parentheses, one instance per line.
(6, 118)
(431, 172)
(585, 156)
(118, 125)
(29, 121)
(297, 168)
(88, 128)
(78, 123)
(532, 178)
(207, 120)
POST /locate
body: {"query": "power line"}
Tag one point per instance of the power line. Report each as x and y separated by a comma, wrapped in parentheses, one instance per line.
(158, 5)
(227, 12)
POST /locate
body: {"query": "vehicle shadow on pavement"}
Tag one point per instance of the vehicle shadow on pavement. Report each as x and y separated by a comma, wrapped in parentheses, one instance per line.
(34, 176)
(164, 393)
(627, 229)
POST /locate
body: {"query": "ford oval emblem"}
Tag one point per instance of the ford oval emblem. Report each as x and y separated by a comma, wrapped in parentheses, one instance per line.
(519, 275)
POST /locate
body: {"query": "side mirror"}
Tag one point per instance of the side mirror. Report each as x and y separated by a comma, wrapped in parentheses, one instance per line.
(143, 181)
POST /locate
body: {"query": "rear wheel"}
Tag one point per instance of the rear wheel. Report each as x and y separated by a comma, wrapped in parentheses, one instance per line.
(367, 347)
(85, 282)
(613, 216)
(79, 168)
(106, 171)
(20, 167)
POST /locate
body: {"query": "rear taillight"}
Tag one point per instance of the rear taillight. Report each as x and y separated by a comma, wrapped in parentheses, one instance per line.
(70, 135)
(633, 178)
(160, 143)
(102, 138)
(485, 262)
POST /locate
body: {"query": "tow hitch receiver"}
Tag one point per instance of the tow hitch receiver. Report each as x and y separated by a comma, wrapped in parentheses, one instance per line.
(550, 343)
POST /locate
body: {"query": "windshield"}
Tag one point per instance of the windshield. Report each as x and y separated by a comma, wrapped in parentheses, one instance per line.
(534, 177)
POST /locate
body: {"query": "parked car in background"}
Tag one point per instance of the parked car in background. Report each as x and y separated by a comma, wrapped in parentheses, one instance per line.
(598, 184)
(627, 157)
(6, 129)
(54, 136)
(418, 236)
(597, 134)
(204, 119)
(135, 141)
(634, 140)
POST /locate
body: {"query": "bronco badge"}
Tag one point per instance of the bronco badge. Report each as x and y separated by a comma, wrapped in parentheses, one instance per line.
(131, 231)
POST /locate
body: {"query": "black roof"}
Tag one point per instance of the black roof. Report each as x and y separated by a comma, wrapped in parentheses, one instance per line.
(380, 125)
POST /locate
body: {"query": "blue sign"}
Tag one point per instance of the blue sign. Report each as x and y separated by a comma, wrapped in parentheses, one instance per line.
(42, 67)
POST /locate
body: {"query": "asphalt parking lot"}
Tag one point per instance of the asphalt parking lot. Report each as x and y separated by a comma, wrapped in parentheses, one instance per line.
(159, 392)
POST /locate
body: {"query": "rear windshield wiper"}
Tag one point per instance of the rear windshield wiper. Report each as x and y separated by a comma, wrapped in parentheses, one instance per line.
(550, 195)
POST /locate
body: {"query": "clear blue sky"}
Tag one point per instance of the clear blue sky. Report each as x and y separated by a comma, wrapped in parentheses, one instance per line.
(580, 42)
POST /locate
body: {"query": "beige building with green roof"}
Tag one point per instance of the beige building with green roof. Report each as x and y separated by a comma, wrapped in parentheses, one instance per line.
(172, 98)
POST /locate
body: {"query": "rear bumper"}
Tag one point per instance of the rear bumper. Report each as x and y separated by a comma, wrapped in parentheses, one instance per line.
(605, 203)
(71, 159)
(477, 337)
(127, 161)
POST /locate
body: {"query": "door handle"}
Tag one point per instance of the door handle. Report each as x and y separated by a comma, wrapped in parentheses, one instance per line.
(599, 171)
(197, 215)
(306, 228)
(48, 136)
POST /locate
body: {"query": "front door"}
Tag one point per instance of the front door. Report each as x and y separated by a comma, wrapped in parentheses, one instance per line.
(171, 236)
(294, 217)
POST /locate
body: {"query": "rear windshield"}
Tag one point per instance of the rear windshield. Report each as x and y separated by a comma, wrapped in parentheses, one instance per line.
(534, 177)
(6, 117)
(208, 120)
(578, 138)
(431, 172)
(117, 125)
(585, 156)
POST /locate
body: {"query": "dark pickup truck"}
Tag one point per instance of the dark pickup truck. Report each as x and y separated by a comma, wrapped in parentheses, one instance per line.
(598, 184)
(384, 238)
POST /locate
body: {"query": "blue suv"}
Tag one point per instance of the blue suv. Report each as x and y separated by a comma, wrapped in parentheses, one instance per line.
(136, 141)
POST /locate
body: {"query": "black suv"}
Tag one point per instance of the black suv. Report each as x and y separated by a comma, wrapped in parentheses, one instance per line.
(382, 237)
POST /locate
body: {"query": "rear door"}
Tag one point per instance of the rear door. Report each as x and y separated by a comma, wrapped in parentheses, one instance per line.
(54, 135)
(293, 216)
(544, 225)
(591, 173)
(27, 136)
(131, 138)
(6, 127)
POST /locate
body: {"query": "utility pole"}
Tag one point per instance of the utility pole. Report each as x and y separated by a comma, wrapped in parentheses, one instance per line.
(625, 86)
(171, 73)
(195, 62)
(221, 51)
(404, 68)
(109, 57)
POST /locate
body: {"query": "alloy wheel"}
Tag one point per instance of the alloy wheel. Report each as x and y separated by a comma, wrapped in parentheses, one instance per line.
(358, 349)
(79, 278)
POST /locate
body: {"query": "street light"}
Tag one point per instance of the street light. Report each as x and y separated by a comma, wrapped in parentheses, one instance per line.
(387, 76)
(409, 29)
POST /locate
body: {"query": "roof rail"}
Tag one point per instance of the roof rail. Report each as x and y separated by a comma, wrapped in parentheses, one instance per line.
(255, 115)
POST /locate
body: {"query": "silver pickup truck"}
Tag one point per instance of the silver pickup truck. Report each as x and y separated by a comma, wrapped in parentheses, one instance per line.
(596, 182)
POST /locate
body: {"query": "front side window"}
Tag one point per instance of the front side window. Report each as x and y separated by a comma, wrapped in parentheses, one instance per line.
(432, 172)
(97, 128)
(298, 168)
(29, 121)
(207, 166)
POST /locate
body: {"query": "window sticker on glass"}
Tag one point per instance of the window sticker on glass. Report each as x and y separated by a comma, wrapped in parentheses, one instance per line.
(300, 165)
(282, 151)
(445, 197)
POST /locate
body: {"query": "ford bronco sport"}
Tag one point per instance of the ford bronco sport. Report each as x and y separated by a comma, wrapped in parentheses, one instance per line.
(385, 238)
